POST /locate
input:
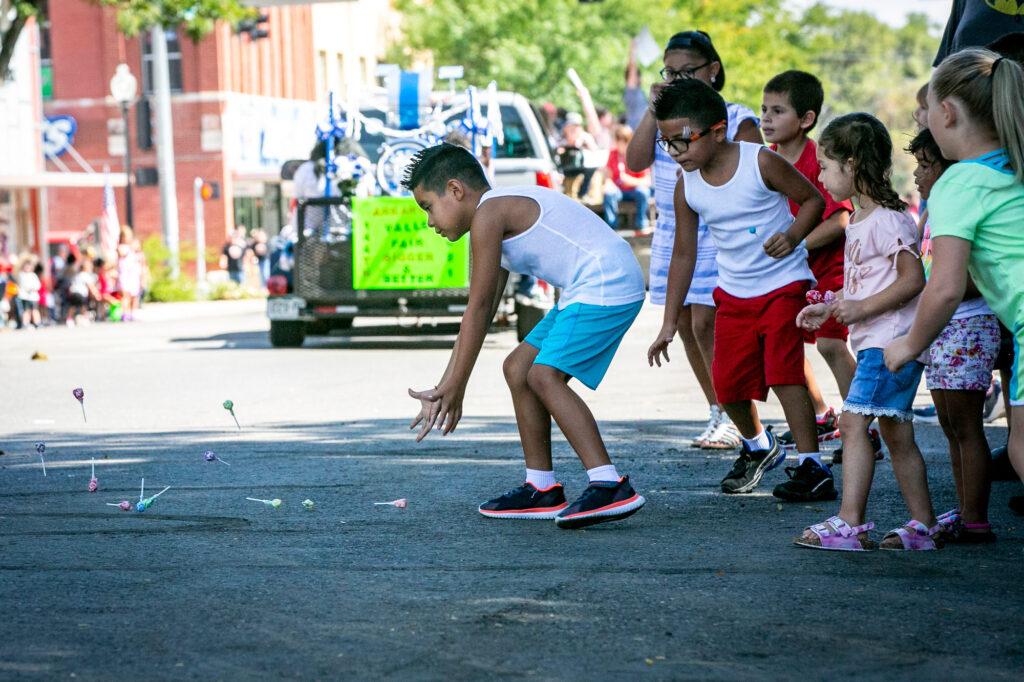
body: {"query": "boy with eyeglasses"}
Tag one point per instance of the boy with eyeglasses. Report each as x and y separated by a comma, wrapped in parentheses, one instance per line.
(740, 190)
(690, 54)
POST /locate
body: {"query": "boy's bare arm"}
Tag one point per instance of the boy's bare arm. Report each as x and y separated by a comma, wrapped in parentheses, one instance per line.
(680, 273)
(830, 229)
(779, 175)
(442, 406)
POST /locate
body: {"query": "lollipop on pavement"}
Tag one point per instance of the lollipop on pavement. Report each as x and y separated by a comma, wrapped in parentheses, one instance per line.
(308, 504)
(80, 397)
(211, 456)
(94, 484)
(123, 505)
(143, 505)
(275, 503)
(401, 504)
(230, 407)
(41, 449)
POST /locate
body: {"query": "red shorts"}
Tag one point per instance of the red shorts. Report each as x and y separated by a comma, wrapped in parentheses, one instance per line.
(757, 343)
(831, 281)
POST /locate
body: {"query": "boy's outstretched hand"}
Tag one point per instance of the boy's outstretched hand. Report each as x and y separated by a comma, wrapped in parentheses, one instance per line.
(813, 316)
(779, 245)
(659, 348)
(440, 407)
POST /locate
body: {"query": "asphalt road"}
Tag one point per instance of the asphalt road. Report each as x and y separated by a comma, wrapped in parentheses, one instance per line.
(207, 585)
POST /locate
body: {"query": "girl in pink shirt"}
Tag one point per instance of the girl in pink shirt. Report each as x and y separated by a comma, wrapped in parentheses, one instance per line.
(883, 277)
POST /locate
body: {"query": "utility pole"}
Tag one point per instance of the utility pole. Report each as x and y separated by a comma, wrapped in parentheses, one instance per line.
(165, 147)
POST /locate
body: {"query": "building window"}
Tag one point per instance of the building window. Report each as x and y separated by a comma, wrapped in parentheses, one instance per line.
(173, 61)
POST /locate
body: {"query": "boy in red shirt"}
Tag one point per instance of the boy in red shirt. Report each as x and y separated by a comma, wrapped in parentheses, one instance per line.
(624, 183)
(789, 111)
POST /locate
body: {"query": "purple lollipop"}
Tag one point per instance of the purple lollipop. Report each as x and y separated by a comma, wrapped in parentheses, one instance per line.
(211, 456)
(80, 397)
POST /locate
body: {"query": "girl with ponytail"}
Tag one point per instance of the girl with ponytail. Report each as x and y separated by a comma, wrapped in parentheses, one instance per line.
(976, 209)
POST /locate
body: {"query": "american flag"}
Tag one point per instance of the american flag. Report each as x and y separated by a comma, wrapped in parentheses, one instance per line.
(110, 225)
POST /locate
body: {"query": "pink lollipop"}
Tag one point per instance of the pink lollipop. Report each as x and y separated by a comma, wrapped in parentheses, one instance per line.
(80, 397)
(123, 505)
(94, 483)
(400, 504)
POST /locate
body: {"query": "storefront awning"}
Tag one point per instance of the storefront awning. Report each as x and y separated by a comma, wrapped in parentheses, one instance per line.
(54, 179)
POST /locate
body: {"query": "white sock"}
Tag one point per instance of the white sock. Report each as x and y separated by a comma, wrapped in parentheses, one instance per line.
(758, 442)
(541, 480)
(816, 456)
(603, 473)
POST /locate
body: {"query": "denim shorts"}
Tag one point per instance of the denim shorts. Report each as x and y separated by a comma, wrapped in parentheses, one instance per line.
(875, 391)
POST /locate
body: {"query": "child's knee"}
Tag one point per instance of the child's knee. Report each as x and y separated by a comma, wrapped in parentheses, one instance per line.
(832, 349)
(704, 324)
(515, 371)
(898, 435)
(853, 425)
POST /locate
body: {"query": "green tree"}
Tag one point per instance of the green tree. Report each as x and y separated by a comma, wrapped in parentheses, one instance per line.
(14, 15)
(196, 17)
(527, 46)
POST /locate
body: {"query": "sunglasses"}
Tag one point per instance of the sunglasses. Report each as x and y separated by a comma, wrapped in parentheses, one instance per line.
(669, 75)
(680, 145)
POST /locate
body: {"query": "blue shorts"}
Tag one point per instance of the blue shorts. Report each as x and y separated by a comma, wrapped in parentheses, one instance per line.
(581, 339)
(875, 391)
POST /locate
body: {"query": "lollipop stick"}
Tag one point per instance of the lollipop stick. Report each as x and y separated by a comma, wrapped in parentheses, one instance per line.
(43, 461)
(83, 413)
(222, 461)
(256, 499)
(236, 420)
(160, 493)
(94, 468)
(142, 490)
(113, 504)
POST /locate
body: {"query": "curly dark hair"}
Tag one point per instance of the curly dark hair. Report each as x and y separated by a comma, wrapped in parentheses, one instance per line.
(863, 139)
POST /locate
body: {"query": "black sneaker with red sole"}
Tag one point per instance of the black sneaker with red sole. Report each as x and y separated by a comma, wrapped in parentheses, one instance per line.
(527, 502)
(601, 502)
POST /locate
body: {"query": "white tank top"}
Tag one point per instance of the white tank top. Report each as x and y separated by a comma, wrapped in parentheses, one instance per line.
(573, 249)
(741, 215)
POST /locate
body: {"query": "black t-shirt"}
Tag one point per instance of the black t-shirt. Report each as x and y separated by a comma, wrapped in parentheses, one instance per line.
(259, 249)
(976, 23)
(235, 253)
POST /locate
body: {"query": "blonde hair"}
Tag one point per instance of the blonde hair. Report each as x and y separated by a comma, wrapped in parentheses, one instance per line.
(992, 90)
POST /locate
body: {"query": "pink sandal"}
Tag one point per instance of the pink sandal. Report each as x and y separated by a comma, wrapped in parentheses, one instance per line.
(914, 536)
(835, 534)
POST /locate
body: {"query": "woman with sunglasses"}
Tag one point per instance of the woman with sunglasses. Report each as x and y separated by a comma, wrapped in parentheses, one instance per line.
(690, 54)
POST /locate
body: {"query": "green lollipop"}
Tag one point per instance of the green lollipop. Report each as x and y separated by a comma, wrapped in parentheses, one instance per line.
(230, 407)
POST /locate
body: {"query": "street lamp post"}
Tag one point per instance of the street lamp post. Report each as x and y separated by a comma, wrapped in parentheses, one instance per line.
(123, 87)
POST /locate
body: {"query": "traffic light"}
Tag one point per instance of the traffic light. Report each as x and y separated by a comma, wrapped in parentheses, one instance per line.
(254, 27)
(209, 190)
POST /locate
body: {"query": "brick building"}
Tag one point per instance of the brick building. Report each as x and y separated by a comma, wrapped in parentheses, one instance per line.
(240, 108)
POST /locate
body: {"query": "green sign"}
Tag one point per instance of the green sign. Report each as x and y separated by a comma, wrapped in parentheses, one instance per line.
(392, 248)
(46, 81)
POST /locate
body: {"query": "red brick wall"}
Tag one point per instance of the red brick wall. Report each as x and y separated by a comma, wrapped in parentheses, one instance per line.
(86, 49)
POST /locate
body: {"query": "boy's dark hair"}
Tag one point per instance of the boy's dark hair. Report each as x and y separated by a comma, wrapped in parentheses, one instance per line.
(803, 90)
(692, 99)
(924, 144)
(863, 138)
(1010, 46)
(433, 167)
